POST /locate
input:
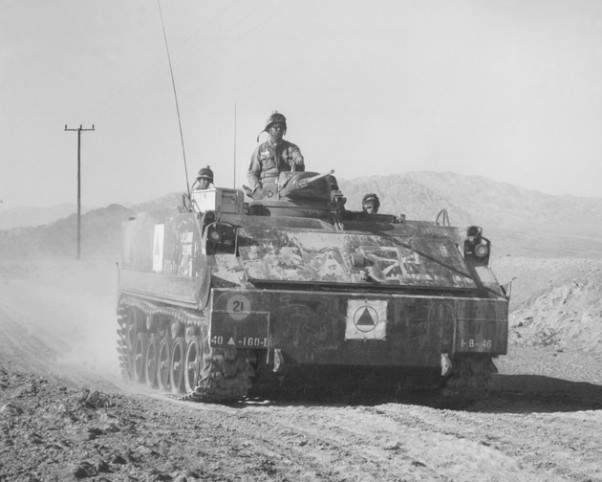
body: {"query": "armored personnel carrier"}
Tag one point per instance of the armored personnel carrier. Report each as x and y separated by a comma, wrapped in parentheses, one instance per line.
(241, 292)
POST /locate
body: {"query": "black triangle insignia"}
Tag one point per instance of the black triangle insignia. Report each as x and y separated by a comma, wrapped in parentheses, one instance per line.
(365, 318)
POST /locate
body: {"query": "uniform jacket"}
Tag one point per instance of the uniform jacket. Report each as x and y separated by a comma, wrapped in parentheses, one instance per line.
(269, 159)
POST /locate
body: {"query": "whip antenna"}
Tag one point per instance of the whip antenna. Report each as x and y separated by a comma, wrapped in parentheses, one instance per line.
(234, 180)
(173, 83)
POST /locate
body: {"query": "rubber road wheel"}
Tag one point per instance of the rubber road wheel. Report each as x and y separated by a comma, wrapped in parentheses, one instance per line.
(152, 361)
(177, 365)
(163, 364)
(140, 357)
(193, 364)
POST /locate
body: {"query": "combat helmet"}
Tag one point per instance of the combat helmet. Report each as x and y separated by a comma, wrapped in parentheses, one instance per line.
(371, 198)
(275, 117)
(205, 173)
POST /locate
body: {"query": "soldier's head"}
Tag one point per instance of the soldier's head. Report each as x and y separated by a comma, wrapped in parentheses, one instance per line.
(204, 178)
(275, 126)
(370, 203)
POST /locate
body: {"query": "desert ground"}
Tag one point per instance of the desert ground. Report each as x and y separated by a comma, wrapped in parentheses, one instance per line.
(66, 413)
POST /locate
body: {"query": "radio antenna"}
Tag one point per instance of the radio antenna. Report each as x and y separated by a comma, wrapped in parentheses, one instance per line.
(173, 83)
(234, 180)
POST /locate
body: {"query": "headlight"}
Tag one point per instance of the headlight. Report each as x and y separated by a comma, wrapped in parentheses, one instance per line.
(221, 237)
(476, 247)
(481, 250)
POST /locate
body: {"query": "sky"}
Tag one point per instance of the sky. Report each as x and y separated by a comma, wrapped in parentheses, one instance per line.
(506, 89)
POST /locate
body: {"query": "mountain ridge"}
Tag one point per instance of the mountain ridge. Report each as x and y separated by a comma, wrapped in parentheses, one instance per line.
(24, 216)
(520, 222)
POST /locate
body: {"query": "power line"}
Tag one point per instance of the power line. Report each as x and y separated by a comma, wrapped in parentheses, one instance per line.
(79, 131)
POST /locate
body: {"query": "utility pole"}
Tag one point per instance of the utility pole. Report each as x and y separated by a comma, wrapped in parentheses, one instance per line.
(79, 131)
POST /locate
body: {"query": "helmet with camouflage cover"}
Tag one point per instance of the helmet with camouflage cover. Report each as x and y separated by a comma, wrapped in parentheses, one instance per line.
(371, 198)
(275, 117)
(205, 173)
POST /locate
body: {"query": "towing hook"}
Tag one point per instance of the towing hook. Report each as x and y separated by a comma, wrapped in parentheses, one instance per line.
(278, 360)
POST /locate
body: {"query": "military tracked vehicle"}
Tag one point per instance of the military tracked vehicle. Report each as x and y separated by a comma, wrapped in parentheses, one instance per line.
(241, 292)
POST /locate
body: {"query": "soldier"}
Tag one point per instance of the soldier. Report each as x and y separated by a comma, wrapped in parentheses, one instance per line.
(274, 155)
(204, 179)
(370, 203)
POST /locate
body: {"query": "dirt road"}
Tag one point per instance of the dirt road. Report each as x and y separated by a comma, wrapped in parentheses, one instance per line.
(65, 413)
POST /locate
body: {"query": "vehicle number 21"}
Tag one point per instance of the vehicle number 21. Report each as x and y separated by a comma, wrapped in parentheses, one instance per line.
(238, 307)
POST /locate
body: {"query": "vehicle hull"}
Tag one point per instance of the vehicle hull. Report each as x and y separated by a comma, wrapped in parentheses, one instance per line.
(367, 330)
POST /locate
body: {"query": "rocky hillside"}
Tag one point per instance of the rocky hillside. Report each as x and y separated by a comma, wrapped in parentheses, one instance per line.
(400, 194)
(556, 302)
(101, 236)
(101, 232)
(483, 201)
(518, 221)
(568, 316)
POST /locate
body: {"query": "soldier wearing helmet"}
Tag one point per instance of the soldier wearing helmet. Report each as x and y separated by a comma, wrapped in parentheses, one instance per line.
(370, 203)
(204, 179)
(274, 155)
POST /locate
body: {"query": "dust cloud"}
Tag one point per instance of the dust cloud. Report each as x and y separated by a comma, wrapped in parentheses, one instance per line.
(69, 307)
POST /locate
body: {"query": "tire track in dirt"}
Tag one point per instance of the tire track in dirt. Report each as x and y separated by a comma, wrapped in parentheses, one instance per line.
(299, 440)
(361, 443)
(568, 443)
(400, 443)
(292, 450)
(266, 445)
(21, 348)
